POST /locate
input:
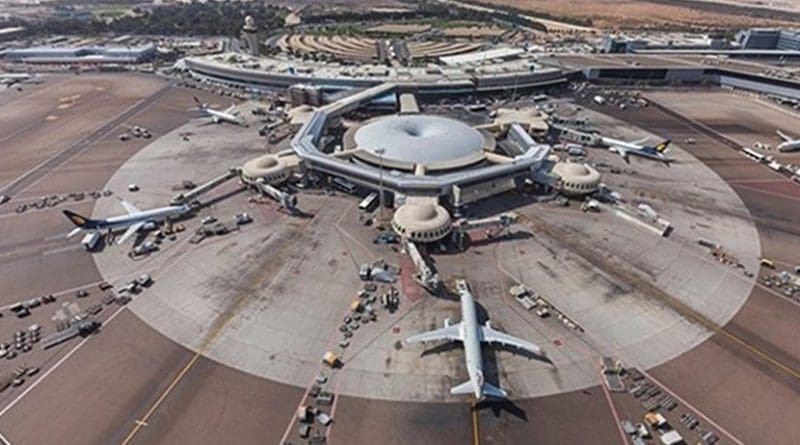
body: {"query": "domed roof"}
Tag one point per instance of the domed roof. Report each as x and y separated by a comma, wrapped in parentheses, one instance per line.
(262, 166)
(421, 216)
(438, 142)
(577, 173)
(576, 169)
(422, 212)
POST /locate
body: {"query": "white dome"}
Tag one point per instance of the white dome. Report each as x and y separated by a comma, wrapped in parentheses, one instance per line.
(437, 142)
(422, 212)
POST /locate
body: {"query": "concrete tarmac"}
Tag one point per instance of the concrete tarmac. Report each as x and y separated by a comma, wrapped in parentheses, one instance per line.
(742, 391)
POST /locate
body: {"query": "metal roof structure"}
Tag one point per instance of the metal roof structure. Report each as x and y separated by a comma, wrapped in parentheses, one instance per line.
(404, 141)
(481, 56)
(306, 145)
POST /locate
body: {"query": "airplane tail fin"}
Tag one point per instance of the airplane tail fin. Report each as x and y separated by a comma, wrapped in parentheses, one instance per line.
(79, 220)
(487, 390)
(662, 147)
(199, 103)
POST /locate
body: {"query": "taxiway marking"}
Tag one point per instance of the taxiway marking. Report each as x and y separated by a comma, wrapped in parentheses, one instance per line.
(657, 294)
(766, 192)
(4, 440)
(140, 423)
(80, 145)
(217, 328)
(476, 433)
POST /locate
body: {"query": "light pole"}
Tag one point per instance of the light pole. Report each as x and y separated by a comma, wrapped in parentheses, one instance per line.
(380, 152)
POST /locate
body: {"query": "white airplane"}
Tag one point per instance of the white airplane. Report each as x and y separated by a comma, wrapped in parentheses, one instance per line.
(635, 148)
(134, 221)
(471, 334)
(789, 143)
(623, 148)
(226, 115)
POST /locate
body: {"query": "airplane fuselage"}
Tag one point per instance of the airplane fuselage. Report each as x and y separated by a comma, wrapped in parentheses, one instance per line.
(471, 339)
(625, 149)
(789, 146)
(220, 116)
(471, 335)
(153, 215)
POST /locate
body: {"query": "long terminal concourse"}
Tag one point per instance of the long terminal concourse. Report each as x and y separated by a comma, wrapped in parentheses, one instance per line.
(440, 222)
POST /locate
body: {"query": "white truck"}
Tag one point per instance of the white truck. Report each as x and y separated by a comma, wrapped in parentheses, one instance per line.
(90, 241)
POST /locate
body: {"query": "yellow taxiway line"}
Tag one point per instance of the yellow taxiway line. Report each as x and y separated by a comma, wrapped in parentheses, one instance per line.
(476, 435)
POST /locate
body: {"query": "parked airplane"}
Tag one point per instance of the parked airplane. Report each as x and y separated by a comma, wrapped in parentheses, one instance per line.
(635, 148)
(789, 143)
(623, 148)
(471, 334)
(226, 115)
(134, 221)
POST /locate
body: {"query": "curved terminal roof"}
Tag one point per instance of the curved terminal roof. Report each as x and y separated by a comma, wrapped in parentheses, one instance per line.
(306, 145)
(574, 172)
(577, 178)
(270, 167)
(421, 220)
(437, 142)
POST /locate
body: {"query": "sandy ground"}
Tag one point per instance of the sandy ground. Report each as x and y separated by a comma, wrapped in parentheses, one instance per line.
(611, 14)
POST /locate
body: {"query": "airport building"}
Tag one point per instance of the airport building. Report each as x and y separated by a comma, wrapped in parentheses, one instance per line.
(503, 70)
(417, 155)
(576, 179)
(82, 55)
(425, 165)
(769, 38)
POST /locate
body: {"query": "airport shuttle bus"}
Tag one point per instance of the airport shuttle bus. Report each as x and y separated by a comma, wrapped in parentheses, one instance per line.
(369, 202)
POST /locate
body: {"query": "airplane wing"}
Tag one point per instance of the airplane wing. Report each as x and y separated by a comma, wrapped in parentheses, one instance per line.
(451, 333)
(130, 208)
(130, 231)
(784, 136)
(74, 232)
(229, 109)
(490, 335)
(641, 141)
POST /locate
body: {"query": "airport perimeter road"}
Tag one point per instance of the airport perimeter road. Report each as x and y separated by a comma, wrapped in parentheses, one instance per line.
(750, 392)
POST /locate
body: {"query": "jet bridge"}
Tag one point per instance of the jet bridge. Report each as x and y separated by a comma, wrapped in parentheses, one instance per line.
(193, 194)
(499, 222)
(286, 201)
(425, 276)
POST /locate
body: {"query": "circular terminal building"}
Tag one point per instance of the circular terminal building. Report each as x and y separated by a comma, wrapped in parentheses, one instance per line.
(409, 142)
(576, 179)
(270, 168)
(413, 155)
(421, 220)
